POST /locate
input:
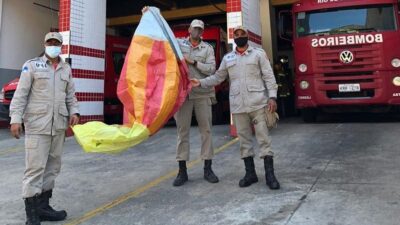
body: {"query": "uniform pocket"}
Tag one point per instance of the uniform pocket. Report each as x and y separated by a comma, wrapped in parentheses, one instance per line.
(234, 90)
(36, 108)
(253, 69)
(256, 94)
(31, 142)
(64, 81)
(231, 63)
(255, 87)
(199, 58)
(234, 97)
(35, 116)
(62, 120)
(41, 80)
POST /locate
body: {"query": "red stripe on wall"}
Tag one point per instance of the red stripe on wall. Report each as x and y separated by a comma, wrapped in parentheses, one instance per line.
(233, 6)
(79, 50)
(89, 97)
(255, 38)
(64, 15)
(89, 74)
(230, 33)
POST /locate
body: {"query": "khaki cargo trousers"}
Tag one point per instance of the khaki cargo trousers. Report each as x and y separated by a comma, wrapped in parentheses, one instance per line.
(202, 110)
(42, 162)
(243, 123)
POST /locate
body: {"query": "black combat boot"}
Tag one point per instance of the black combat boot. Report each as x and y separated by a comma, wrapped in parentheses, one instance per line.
(31, 209)
(182, 175)
(270, 178)
(46, 212)
(251, 176)
(208, 173)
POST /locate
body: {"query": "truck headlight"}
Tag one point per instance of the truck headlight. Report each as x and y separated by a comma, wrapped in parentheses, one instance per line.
(302, 68)
(396, 63)
(2, 95)
(304, 84)
(396, 81)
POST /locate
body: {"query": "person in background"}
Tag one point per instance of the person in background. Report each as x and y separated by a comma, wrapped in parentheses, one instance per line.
(200, 58)
(253, 90)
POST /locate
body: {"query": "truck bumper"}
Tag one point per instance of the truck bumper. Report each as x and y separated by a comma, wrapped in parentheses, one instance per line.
(323, 91)
(4, 111)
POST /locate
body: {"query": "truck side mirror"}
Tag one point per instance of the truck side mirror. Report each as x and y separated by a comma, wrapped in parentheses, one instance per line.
(285, 25)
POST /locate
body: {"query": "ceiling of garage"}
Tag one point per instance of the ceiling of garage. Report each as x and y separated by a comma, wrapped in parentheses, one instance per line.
(120, 8)
(124, 15)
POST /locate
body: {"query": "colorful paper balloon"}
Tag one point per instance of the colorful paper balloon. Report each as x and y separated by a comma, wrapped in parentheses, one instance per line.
(152, 86)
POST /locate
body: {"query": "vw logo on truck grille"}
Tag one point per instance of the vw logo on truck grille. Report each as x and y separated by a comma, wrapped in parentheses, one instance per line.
(346, 57)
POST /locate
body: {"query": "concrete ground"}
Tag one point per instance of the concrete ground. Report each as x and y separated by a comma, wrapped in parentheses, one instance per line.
(341, 170)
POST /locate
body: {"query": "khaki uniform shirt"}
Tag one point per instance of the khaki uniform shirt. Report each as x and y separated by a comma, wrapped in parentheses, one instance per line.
(204, 55)
(252, 80)
(45, 97)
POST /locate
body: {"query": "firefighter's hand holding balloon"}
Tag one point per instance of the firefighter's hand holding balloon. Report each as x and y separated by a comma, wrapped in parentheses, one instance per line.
(195, 82)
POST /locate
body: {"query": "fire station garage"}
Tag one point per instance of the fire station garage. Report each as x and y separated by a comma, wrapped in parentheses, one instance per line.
(98, 33)
(336, 168)
(80, 22)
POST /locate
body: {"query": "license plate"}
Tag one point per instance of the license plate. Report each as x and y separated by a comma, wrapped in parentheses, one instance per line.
(349, 88)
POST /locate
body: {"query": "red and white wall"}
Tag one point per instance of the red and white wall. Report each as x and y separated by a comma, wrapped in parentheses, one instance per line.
(83, 26)
(244, 13)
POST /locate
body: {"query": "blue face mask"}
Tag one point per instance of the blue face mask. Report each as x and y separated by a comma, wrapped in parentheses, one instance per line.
(53, 51)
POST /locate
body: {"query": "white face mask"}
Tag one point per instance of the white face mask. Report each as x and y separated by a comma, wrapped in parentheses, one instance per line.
(53, 51)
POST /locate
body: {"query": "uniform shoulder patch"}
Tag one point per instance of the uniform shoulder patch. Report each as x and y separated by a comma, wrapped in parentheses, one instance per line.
(32, 63)
(230, 55)
(184, 42)
(25, 69)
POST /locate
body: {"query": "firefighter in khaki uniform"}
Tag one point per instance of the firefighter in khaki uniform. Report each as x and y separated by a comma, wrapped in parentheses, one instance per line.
(200, 58)
(250, 74)
(44, 101)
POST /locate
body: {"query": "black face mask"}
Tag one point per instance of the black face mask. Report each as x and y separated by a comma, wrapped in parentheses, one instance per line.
(241, 41)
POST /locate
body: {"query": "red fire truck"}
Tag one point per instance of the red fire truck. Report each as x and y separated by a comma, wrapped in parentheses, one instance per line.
(116, 48)
(346, 56)
(7, 92)
(217, 38)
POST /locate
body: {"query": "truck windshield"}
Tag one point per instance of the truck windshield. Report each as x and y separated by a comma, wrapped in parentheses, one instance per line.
(364, 19)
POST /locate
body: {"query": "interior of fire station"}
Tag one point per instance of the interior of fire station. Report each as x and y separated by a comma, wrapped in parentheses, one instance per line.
(123, 17)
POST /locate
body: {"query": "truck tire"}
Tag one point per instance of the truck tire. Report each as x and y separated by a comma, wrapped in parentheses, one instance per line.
(309, 115)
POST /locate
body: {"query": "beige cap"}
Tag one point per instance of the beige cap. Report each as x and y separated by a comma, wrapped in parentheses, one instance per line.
(239, 28)
(53, 35)
(197, 23)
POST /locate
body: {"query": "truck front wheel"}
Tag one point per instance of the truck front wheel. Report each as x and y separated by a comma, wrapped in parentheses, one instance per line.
(309, 115)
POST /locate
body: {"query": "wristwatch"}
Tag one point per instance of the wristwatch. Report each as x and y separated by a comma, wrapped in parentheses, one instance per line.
(273, 98)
